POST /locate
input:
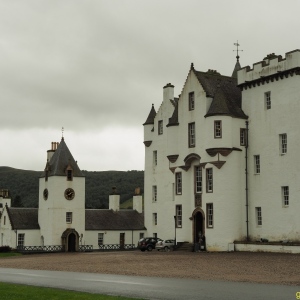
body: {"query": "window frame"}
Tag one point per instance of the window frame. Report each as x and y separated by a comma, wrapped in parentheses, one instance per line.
(209, 180)
(178, 215)
(283, 143)
(243, 137)
(192, 134)
(198, 180)
(178, 183)
(154, 193)
(285, 195)
(154, 218)
(191, 101)
(100, 238)
(210, 215)
(155, 158)
(258, 213)
(268, 100)
(69, 217)
(257, 164)
(21, 239)
(160, 127)
(218, 129)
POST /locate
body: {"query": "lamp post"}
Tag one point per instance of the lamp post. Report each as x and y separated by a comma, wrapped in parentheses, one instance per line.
(175, 219)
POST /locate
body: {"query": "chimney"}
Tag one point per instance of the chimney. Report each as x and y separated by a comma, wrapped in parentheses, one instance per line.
(50, 152)
(114, 200)
(138, 201)
(168, 92)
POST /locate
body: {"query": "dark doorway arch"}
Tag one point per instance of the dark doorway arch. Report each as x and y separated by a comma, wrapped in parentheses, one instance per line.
(198, 222)
(72, 242)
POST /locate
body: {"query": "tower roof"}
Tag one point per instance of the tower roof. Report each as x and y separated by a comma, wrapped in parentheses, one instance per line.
(151, 116)
(61, 160)
(236, 68)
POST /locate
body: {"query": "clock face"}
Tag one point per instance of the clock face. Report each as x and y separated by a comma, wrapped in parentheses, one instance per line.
(45, 194)
(69, 194)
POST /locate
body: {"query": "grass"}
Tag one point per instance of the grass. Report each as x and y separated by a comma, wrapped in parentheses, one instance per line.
(8, 254)
(9, 291)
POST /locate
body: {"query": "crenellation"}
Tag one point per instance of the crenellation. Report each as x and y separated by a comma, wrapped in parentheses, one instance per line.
(271, 65)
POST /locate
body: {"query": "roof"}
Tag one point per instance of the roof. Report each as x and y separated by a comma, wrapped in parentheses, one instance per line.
(104, 219)
(225, 93)
(151, 116)
(173, 121)
(61, 159)
(236, 68)
(23, 218)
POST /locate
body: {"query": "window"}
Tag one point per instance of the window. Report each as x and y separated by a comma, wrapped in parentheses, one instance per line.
(178, 217)
(69, 217)
(285, 195)
(283, 143)
(155, 235)
(4, 220)
(154, 193)
(198, 180)
(69, 175)
(21, 239)
(160, 127)
(256, 164)
(192, 138)
(209, 180)
(243, 137)
(268, 100)
(210, 215)
(178, 183)
(141, 235)
(218, 129)
(100, 238)
(155, 158)
(191, 101)
(155, 218)
(258, 216)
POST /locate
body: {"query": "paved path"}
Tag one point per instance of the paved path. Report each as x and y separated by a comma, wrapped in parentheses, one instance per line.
(149, 287)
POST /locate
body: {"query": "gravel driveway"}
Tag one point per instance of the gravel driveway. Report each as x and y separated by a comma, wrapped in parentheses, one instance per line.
(276, 268)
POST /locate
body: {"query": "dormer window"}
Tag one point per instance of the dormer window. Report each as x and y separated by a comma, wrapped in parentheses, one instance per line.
(70, 175)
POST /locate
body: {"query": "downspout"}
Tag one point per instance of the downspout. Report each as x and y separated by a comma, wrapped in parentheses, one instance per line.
(246, 173)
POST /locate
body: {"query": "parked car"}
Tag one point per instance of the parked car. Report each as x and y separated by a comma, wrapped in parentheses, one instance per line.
(166, 245)
(148, 243)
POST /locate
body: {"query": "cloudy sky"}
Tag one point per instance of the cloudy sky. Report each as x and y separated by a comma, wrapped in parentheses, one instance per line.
(95, 67)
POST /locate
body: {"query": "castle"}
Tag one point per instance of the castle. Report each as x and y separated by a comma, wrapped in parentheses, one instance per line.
(221, 160)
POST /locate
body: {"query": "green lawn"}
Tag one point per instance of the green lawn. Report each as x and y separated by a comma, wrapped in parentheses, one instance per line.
(7, 254)
(10, 291)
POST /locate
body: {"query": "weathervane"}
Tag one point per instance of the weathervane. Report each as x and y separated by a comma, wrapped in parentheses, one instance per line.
(237, 50)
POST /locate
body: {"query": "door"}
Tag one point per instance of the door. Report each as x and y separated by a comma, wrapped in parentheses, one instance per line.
(122, 240)
(72, 242)
(198, 226)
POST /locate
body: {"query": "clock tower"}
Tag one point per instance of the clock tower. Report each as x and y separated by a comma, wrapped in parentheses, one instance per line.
(61, 200)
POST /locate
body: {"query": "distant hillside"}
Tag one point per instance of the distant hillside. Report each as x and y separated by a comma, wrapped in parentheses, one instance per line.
(24, 185)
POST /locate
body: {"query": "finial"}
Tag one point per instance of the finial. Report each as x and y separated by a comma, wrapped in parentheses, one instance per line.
(237, 50)
(192, 66)
(62, 133)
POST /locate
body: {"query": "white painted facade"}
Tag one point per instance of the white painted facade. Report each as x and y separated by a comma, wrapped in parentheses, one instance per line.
(279, 222)
(53, 225)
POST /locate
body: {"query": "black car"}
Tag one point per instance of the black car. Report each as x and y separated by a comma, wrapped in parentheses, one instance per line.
(148, 243)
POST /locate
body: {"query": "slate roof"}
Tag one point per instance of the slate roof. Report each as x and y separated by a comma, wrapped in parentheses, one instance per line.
(23, 218)
(60, 160)
(151, 116)
(104, 219)
(173, 121)
(225, 93)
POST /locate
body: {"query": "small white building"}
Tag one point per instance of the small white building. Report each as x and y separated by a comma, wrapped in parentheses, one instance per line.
(61, 222)
(204, 175)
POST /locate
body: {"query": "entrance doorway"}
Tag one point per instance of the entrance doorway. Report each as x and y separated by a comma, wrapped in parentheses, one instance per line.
(198, 226)
(72, 242)
(122, 240)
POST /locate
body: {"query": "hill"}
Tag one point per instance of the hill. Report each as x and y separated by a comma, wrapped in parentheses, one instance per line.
(24, 185)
